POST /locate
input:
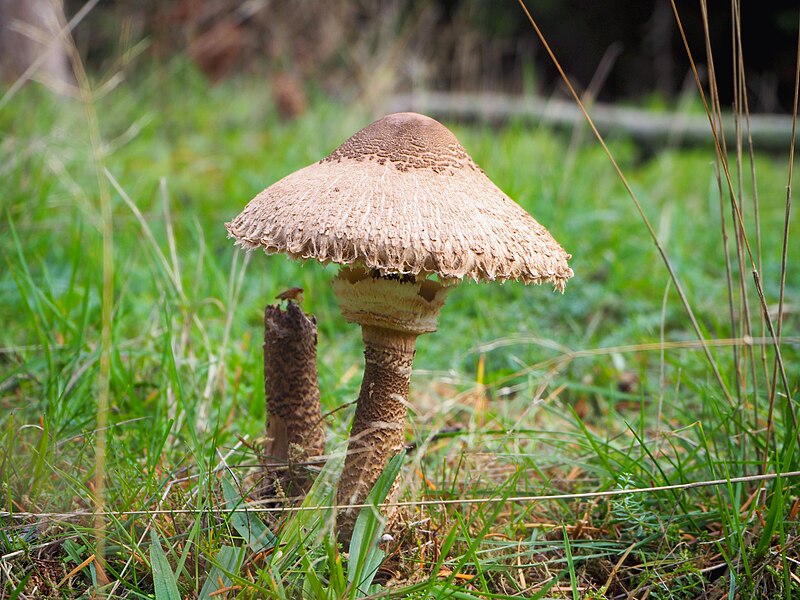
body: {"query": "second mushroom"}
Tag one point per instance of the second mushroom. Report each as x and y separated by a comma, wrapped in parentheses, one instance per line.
(408, 214)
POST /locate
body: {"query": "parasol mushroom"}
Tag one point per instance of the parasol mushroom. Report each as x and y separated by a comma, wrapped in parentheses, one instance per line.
(408, 213)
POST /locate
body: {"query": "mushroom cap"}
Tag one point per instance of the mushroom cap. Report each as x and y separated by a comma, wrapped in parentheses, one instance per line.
(402, 196)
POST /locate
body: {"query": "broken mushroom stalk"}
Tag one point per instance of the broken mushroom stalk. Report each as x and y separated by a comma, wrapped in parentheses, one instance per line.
(294, 420)
(398, 203)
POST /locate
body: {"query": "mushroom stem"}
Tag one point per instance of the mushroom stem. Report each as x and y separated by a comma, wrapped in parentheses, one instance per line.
(294, 419)
(378, 430)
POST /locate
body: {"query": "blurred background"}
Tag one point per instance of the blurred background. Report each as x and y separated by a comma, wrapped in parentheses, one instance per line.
(629, 51)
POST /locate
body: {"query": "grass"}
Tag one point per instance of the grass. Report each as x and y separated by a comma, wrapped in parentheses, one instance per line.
(521, 391)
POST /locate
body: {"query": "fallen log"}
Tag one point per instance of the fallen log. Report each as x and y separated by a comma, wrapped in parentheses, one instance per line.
(649, 128)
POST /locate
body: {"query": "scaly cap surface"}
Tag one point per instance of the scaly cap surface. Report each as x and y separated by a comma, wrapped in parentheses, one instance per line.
(402, 196)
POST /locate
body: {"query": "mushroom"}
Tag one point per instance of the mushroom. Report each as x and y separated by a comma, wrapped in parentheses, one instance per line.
(408, 213)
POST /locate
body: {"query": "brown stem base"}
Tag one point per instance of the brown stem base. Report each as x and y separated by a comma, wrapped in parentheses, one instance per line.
(378, 430)
(294, 418)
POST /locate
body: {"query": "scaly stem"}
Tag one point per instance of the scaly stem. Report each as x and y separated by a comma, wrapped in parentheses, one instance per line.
(378, 430)
(294, 420)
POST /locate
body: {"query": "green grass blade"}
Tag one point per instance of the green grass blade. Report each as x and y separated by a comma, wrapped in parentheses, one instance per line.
(227, 562)
(166, 586)
(573, 578)
(247, 524)
(17, 591)
(365, 556)
(312, 585)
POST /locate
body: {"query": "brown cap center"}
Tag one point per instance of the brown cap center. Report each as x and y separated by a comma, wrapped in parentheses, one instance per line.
(408, 141)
